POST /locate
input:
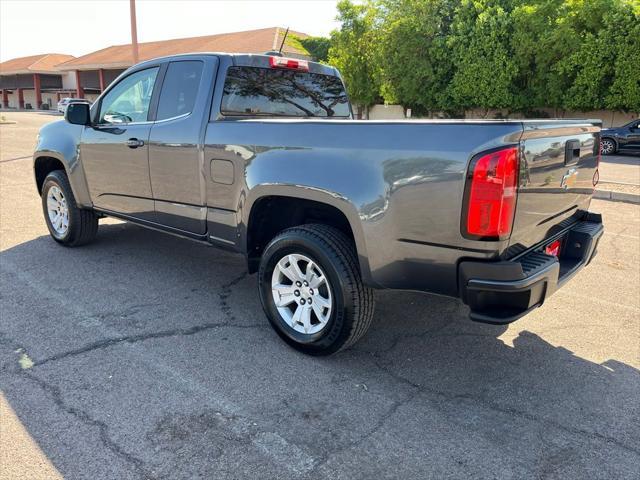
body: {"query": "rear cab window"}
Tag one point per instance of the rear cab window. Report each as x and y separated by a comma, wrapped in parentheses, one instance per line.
(256, 92)
(179, 89)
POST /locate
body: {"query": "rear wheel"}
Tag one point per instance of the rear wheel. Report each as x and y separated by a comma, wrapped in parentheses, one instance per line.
(311, 289)
(68, 225)
(608, 146)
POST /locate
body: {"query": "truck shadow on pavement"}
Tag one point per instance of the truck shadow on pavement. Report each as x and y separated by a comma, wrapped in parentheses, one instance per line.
(149, 357)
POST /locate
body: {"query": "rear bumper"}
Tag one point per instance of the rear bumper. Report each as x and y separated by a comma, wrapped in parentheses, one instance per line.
(502, 292)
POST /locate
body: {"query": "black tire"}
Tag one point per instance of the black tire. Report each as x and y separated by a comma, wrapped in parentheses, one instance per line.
(608, 146)
(353, 302)
(83, 224)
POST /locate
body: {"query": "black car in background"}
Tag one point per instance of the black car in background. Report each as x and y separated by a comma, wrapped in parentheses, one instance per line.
(625, 138)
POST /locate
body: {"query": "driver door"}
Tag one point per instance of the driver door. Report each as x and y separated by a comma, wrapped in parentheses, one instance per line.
(114, 150)
(634, 136)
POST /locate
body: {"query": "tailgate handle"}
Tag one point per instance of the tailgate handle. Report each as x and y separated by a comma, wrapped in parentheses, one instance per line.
(572, 152)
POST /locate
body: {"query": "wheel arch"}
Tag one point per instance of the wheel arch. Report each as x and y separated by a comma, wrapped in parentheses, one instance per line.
(43, 165)
(296, 206)
(45, 162)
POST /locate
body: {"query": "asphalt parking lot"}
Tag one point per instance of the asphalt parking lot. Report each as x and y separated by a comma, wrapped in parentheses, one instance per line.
(143, 355)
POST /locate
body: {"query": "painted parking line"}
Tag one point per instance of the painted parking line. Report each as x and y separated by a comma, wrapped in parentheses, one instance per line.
(15, 159)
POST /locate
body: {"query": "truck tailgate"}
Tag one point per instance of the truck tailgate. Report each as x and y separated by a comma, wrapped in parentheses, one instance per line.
(556, 179)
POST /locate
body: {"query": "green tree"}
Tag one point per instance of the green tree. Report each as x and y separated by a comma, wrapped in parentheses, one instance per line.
(523, 55)
(416, 66)
(354, 51)
(588, 67)
(571, 53)
(538, 42)
(318, 47)
(624, 31)
(484, 64)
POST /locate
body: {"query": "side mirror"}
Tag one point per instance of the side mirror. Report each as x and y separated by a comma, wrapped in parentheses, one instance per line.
(78, 114)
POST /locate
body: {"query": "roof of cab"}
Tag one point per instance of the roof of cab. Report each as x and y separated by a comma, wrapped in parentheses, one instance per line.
(243, 60)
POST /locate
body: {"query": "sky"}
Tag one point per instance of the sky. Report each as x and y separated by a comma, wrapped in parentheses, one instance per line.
(77, 27)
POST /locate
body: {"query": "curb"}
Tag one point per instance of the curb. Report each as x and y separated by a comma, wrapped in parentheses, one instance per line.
(617, 196)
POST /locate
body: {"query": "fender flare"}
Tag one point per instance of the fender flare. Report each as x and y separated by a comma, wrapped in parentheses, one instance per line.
(319, 195)
(74, 172)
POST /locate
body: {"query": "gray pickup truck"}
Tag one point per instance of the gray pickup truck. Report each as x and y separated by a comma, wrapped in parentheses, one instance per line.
(260, 155)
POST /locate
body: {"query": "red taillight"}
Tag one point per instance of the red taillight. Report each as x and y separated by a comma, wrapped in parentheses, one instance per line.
(291, 63)
(491, 194)
(553, 248)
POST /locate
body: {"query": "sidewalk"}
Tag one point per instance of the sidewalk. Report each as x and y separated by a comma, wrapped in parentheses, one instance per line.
(619, 178)
(622, 168)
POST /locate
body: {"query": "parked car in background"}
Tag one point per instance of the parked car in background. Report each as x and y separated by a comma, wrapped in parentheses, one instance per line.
(260, 155)
(625, 138)
(64, 103)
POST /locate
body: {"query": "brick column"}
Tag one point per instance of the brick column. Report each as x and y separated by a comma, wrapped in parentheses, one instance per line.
(79, 89)
(101, 77)
(36, 86)
(20, 98)
(5, 99)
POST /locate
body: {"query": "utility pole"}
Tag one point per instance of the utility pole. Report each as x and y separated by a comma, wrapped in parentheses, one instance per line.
(134, 31)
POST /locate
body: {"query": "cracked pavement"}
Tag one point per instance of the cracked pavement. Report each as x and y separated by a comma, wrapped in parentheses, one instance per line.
(148, 356)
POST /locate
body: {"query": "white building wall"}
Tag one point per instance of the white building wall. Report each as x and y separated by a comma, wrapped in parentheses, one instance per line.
(30, 97)
(69, 80)
(386, 112)
(13, 99)
(609, 118)
(51, 99)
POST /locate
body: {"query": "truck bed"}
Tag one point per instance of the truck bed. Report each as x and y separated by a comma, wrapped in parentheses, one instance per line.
(401, 183)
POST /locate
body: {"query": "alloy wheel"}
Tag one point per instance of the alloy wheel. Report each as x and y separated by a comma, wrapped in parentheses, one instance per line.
(607, 146)
(302, 294)
(58, 211)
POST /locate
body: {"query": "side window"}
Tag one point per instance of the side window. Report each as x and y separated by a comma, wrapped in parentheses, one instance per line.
(129, 100)
(179, 89)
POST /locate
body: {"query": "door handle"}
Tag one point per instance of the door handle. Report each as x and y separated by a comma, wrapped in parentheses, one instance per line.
(134, 143)
(572, 152)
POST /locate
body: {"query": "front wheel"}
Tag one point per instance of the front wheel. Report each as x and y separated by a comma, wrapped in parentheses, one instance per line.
(68, 225)
(311, 289)
(607, 146)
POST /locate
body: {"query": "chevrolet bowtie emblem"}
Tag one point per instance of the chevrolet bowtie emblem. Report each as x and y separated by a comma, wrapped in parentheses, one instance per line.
(569, 178)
